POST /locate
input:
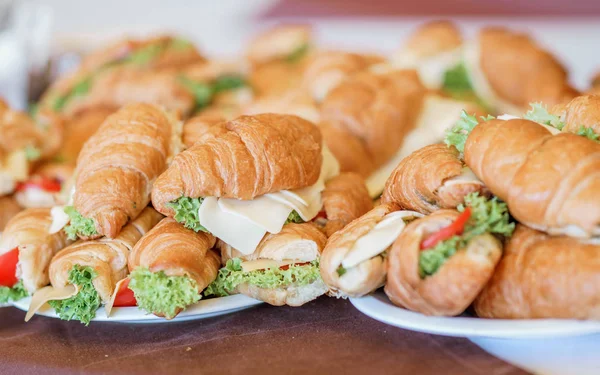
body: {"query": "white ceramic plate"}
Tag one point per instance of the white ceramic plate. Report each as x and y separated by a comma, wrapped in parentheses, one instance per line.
(201, 310)
(544, 346)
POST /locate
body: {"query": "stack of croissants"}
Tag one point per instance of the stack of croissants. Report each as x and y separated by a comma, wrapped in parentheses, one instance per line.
(459, 174)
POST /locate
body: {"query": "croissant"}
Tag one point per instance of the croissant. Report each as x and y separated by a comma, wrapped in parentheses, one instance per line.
(108, 257)
(376, 109)
(279, 43)
(299, 243)
(8, 209)
(117, 165)
(291, 102)
(509, 70)
(276, 78)
(429, 40)
(327, 69)
(549, 182)
(458, 281)
(367, 275)
(582, 111)
(257, 155)
(543, 277)
(44, 186)
(345, 198)
(595, 85)
(431, 178)
(176, 251)
(28, 231)
(198, 126)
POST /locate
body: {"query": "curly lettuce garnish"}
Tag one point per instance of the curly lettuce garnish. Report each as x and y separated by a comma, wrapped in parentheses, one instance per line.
(298, 54)
(202, 92)
(180, 44)
(456, 81)
(232, 275)
(228, 82)
(186, 212)
(160, 294)
(79, 225)
(85, 303)
(588, 133)
(458, 134)
(487, 216)
(294, 217)
(540, 114)
(80, 89)
(15, 293)
(32, 153)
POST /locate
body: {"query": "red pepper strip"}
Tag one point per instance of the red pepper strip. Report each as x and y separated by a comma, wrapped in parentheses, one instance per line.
(8, 268)
(321, 214)
(457, 227)
(125, 296)
(46, 184)
(287, 266)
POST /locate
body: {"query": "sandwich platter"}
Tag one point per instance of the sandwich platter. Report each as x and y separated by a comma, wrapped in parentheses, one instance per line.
(206, 308)
(542, 346)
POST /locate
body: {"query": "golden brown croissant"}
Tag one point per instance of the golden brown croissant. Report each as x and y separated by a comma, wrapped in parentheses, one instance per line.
(378, 110)
(291, 102)
(457, 282)
(28, 231)
(366, 276)
(299, 243)
(550, 183)
(197, 127)
(257, 155)
(117, 165)
(327, 69)
(279, 43)
(582, 111)
(431, 39)
(8, 209)
(176, 251)
(431, 178)
(276, 78)
(541, 276)
(345, 198)
(518, 71)
(108, 257)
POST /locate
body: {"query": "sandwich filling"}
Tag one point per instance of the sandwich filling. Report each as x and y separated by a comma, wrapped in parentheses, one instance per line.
(267, 274)
(219, 215)
(84, 304)
(205, 92)
(78, 225)
(15, 168)
(478, 216)
(11, 288)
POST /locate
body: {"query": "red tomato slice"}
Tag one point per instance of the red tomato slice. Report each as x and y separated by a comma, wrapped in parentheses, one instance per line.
(46, 184)
(287, 266)
(125, 296)
(457, 227)
(8, 268)
(321, 214)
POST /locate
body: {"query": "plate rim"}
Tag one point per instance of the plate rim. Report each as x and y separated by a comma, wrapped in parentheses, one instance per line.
(377, 308)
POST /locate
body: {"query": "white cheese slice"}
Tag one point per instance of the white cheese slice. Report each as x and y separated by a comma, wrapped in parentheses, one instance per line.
(437, 115)
(378, 239)
(49, 293)
(33, 197)
(7, 183)
(270, 215)
(466, 176)
(431, 69)
(551, 129)
(108, 307)
(479, 82)
(59, 219)
(235, 230)
(507, 117)
(262, 264)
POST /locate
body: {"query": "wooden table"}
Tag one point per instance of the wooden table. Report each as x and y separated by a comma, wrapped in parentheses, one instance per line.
(327, 336)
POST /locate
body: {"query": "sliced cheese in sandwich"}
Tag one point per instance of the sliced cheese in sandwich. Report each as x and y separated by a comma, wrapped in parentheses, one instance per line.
(59, 219)
(551, 129)
(379, 238)
(49, 293)
(466, 176)
(268, 214)
(108, 307)
(437, 115)
(263, 264)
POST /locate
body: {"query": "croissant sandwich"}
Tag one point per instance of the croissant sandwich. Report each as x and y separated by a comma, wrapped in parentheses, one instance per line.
(241, 169)
(44, 186)
(431, 178)
(284, 269)
(440, 263)
(170, 267)
(550, 182)
(543, 277)
(580, 115)
(354, 261)
(8, 209)
(116, 168)
(26, 249)
(281, 43)
(84, 276)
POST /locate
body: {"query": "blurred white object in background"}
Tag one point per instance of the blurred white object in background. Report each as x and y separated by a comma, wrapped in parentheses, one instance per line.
(25, 32)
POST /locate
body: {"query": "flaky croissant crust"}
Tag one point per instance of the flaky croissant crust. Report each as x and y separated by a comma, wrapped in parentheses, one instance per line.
(255, 156)
(583, 111)
(433, 38)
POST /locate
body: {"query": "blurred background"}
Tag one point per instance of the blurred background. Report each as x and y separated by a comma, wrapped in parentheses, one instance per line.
(34, 32)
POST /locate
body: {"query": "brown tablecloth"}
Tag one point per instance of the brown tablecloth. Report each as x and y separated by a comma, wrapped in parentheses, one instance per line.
(327, 336)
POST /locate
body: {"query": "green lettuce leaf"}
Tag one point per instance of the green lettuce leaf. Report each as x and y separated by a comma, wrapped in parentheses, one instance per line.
(180, 44)
(487, 216)
(79, 224)
(341, 271)
(228, 82)
(32, 153)
(588, 133)
(15, 293)
(80, 89)
(144, 55)
(456, 81)
(458, 134)
(232, 275)
(298, 54)
(203, 93)
(294, 217)
(540, 114)
(186, 212)
(83, 305)
(160, 294)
